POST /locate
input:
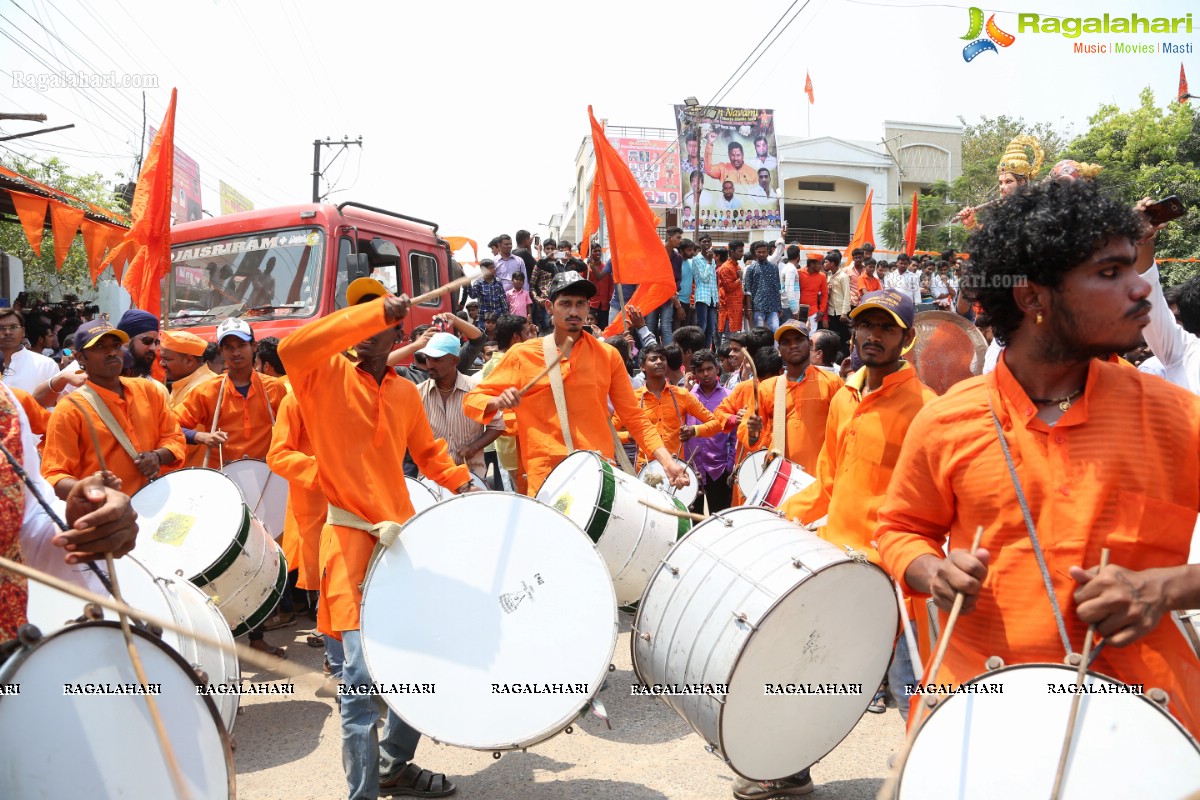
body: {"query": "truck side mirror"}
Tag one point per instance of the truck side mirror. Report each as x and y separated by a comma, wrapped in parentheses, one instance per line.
(357, 265)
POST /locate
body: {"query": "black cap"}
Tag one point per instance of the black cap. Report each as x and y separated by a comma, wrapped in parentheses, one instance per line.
(573, 282)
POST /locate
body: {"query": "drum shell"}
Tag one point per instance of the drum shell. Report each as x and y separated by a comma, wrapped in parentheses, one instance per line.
(685, 495)
(780, 480)
(249, 590)
(264, 492)
(708, 613)
(750, 470)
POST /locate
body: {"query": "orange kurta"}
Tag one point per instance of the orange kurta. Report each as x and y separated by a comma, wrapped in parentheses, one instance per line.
(862, 443)
(39, 415)
(668, 417)
(180, 389)
(1120, 469)
(729, 297)
(245, 419)
(592, 375)
(807, 409)
(144, 416)
(360, 431)
(742, 397)
(291, 457)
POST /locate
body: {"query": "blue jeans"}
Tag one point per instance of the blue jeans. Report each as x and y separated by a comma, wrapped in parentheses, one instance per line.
(900, 673)
(766, 319)
(706, 321)
(364, 755)
(661, 322)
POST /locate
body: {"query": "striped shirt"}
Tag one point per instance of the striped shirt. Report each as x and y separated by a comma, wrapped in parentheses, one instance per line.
(698, 272)
(446, 418)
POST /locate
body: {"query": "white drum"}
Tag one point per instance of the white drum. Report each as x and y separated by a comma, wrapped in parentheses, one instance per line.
(654, 475)
(512, 628)
(169, 598)
(780, 480)
(604, 501)
(265, 493)
(420, 494)
(441, 492)
(1007, 744)
(59, 745)
(787, 633)
(750, 470)
(192, 523)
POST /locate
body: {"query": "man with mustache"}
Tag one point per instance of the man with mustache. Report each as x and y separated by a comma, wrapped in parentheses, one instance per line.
(1070, 421)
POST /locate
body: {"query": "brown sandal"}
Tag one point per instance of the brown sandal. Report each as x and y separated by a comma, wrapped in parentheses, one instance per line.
(412, 781)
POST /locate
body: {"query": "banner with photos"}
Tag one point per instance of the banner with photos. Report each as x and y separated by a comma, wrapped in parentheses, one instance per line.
(655, 166)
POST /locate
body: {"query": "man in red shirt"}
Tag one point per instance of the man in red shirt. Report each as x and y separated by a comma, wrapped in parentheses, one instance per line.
(814, 293)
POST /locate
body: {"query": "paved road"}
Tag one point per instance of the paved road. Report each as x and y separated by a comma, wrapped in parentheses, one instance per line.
(290, 749)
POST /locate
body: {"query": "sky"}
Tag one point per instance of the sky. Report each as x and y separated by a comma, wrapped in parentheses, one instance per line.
(471, 113)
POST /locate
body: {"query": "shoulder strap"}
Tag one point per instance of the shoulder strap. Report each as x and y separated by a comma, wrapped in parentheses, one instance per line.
(550, 350)
(94, 400)
(779, 416)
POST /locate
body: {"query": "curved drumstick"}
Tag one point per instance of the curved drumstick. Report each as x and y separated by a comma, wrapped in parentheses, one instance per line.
(562, 351)
(1079, 676)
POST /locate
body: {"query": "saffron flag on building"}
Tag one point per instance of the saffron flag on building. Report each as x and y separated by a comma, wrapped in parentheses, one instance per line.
(638, 255)
(808, 90)
(1183, 90)
(865, 230)
(148, 240)
(910, 234)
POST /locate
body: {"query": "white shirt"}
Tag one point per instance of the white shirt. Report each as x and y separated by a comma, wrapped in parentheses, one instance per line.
(758, 191)
(26, 369)
(1178, 350)
(1152, 366)
(939, 286)
(769, 162)
(729, 205)
(909, 282)
(789, 286)
(992, 356)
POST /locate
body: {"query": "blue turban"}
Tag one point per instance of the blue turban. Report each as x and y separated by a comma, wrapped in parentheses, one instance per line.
(135, 321)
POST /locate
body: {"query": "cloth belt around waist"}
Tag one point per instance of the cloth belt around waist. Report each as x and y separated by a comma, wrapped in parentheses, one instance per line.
(385, 533)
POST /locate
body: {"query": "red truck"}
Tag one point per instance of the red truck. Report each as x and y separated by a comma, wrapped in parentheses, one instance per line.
(279, 268)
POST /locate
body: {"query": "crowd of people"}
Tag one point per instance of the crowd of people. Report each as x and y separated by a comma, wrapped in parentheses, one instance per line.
(764, 346)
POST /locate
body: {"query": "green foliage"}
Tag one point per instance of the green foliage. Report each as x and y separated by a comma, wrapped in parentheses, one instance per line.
(984, 143)
(41, 273)
(934, 211)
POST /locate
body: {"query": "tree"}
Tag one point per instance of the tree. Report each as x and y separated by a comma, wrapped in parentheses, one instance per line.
(984, 143)
(934, 212)
(41, 273)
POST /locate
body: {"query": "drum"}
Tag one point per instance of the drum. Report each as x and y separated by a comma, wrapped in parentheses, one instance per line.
(521, 634)
(778, 638)
(750, 470)
(420, 494)
(169, 598)
(654, 475)
(192, 523)
(442, 493)
(1006, 741)
(780, 480)
(60, 744)
(632, 538)
(265, 493)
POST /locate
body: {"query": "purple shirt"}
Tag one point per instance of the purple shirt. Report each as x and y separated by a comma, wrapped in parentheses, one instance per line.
(713, 456)
(505, 267)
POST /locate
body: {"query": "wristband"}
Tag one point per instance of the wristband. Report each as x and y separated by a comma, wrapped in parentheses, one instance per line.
(50, 386)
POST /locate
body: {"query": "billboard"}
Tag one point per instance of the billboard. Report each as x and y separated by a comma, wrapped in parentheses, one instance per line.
(185, 186)
(655, 165)
(233, 201)
(729, 169)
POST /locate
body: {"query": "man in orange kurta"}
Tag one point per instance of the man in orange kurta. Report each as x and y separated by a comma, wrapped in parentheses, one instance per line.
(182, 360)
(809, 393)
(1107, 458)
(593, 374)
(291, 457)
(137, 406)
(743, 400)
(361, 419)
(729, 291)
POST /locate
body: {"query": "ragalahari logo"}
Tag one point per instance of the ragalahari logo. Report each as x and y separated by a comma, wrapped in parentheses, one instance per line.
(995, 36)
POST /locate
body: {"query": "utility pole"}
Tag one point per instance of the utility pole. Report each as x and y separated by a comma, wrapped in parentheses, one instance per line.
(317, 171)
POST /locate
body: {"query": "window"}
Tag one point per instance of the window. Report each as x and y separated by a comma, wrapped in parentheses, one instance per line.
(423, 272)
(816, 186)
(345, 250)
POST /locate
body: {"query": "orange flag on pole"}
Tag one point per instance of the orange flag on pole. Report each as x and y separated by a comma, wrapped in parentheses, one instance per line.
(148, 241)
(808, 90)
(1183, 90)
(638, 255)
(910, 235)
(591, 223)
(865, 230)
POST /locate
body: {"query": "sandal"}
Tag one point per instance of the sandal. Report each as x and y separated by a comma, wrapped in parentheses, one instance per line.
(878, 705)
(278, 652)
(281, 619)
(412, 781)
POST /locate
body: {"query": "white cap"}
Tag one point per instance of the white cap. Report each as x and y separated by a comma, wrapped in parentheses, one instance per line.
(235, 327)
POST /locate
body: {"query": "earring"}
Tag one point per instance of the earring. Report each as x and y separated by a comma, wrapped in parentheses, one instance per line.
(1038, 318)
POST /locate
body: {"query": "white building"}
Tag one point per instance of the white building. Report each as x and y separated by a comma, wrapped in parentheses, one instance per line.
(825, 180)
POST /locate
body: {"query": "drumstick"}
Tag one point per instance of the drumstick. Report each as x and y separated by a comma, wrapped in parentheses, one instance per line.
(754, 377)
(566, 348)
(888, 790)
(675, 512)
(458, 283)
(1079, 676)
(160, 730)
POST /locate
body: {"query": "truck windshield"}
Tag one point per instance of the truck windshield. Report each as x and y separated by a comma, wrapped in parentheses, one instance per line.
(261, 274)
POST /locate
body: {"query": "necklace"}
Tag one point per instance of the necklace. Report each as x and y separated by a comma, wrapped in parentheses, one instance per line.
(1063, 403)
(445, 392)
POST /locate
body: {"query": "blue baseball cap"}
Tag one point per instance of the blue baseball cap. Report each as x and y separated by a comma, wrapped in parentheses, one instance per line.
(898, 304)
(440, 344)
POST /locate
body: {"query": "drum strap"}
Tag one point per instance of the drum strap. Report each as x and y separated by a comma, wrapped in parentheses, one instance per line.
(385, 532)
(1033, 537)
(216, 418)
(550, 350)
(779, 416)
(97, 403)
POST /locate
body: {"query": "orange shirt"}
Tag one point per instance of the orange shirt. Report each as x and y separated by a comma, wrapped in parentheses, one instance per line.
(180, 389)
(1120, 469)
(729, 297)
(592, 375)
(668, 417)
(862, 443)
(741, 397)
(360, 431)
(39, 415)
(143, 414)
(246, 419)
(291, 457)
(814, 291)
(807, 410)
(867, 283)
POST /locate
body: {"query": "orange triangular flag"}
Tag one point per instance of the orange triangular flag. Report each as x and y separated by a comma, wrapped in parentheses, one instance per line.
(808, 90)
(638, 255)
(910, 235)
(865, 230)
(1183, 90)
(64, 222)
(118, 252)
(591, 223)
(95, 242)
(149, 238)
(31, 210)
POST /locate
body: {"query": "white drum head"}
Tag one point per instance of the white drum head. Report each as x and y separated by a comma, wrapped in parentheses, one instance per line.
(187, 520)
(58, 745)
(983, 746)
(419, 494)
(780, 480)
(579, 478)
(265, 493)
(750, 470)
(506, 594)
(660, 481)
